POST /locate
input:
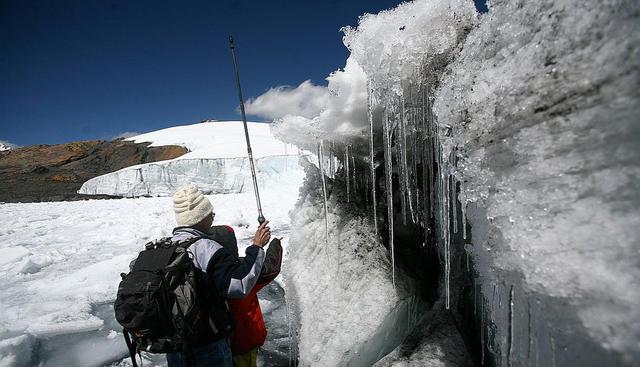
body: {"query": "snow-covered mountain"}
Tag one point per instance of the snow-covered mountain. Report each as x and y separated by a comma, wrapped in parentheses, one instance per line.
(6, 146)
(217, 161)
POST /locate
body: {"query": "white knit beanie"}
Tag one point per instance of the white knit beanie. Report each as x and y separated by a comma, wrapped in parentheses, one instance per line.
(190, 206)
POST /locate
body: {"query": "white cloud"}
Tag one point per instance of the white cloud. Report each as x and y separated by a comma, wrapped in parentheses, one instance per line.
(309, 112)
(306, 100)
(125, 135)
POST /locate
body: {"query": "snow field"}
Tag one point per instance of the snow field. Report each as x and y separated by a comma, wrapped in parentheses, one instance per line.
(62, 260)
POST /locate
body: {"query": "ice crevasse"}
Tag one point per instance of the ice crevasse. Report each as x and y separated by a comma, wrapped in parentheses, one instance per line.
(507, 140)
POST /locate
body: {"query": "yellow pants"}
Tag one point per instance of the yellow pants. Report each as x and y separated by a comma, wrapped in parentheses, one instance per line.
(249, 359)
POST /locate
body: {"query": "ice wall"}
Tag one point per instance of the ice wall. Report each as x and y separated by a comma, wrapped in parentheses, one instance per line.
(543, 103)
(512, 140)
(213, 176)
(339, 288)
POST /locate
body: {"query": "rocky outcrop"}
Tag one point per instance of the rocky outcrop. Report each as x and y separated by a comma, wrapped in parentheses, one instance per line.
(56, 172)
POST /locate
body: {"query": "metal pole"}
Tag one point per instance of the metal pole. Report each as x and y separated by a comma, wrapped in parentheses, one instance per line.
(246, 132)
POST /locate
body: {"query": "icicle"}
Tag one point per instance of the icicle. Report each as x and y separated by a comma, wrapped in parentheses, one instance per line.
(353, 168)
(463, 205)
(371, 158)
(511, 328)
(389, 188)
(529, 329)
(482, 331)
(408, 195)
(324, 190)
(454, 204)
(415, 144)
(445, 215)
(346, 169)
(402, 152)
(432, 134)
(367, 190)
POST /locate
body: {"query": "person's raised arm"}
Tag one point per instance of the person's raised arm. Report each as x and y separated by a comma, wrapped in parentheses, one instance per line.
(272, 262)
(234, 278)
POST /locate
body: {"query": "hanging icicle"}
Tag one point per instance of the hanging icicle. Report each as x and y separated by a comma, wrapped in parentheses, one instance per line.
(353, 169)
(324, 189)
(346, 171)
(389, 188)
(372, 157)
(407, 190)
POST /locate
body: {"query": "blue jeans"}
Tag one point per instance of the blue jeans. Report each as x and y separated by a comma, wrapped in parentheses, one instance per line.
(216, 354)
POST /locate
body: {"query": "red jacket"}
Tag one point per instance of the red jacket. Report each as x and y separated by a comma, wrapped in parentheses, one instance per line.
(249, 331)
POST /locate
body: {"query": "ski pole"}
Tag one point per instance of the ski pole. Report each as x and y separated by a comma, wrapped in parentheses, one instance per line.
(246, 132)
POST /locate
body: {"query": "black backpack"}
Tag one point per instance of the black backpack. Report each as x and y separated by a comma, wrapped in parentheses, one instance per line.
(161, 304)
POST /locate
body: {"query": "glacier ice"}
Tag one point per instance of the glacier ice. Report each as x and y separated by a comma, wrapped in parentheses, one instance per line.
(527, 151)
(343, 297)
(213, 176)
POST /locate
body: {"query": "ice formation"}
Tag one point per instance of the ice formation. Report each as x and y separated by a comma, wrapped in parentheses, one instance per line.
(340, 291)
(217, 162)
(510, 137)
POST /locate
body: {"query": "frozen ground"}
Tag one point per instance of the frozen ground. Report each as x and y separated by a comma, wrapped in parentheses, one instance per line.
(61, 263)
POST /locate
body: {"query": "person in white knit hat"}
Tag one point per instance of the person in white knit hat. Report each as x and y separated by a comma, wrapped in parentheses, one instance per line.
(191, 206)
(224, 274)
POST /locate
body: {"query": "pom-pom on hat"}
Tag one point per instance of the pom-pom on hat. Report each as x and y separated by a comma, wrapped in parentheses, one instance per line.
(190, 206)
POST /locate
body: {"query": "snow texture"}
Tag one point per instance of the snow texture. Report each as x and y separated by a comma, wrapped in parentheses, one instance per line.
(341, 290)
(543, 100)
(435, 343)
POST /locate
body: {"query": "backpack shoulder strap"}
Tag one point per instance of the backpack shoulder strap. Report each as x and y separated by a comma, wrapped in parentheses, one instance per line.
(185, 244)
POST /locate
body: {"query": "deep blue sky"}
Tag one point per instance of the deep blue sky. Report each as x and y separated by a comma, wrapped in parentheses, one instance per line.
(93, 69)
(80, 69)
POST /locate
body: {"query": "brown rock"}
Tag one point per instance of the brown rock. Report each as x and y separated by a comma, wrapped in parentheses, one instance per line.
(56, 172)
